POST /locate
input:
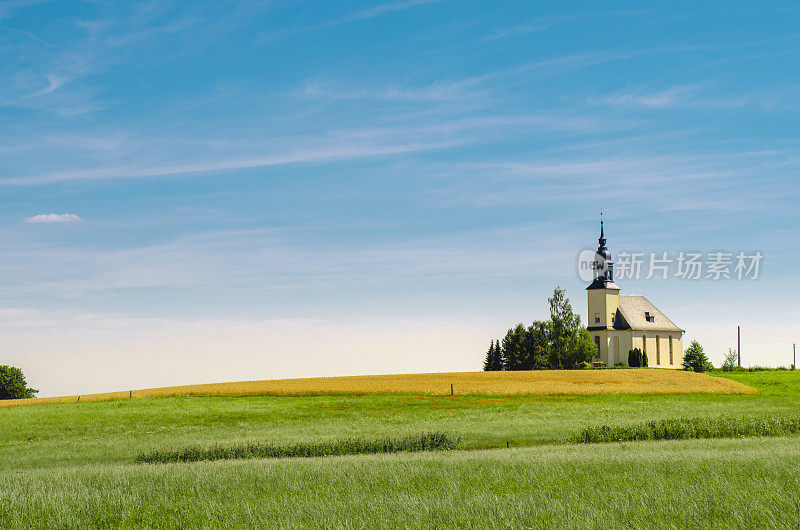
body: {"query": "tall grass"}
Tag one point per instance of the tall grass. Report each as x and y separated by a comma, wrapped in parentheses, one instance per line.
(683, 429)
(679, 484)
(436, 441)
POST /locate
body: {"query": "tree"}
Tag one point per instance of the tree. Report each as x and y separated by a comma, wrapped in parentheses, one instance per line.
(13, 385)
(644, 359)
(558, 343)
(494, 360)
(536, 345)
(514, 348)
(635, 358)
(731, 360)
(694, 358)
(568, 344)
(585, 348)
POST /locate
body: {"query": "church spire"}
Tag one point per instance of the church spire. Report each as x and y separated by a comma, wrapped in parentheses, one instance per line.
(602, 239)
(603, 265)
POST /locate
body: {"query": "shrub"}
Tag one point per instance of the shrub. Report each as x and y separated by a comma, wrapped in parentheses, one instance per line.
(644, 359)
(681, 429)
(13, 385)
(635, 358)
(731, 361)
(436, 441)
(765, 369)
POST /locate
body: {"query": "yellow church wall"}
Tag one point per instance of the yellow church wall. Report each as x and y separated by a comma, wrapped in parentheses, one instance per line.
(615, 345)
(656, 344)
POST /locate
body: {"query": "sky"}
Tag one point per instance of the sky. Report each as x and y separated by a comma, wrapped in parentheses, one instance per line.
(215, 191)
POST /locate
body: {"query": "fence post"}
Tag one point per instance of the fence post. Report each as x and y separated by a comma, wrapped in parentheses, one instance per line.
(451, 389)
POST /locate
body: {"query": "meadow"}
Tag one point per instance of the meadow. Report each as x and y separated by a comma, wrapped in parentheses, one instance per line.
(73, 464)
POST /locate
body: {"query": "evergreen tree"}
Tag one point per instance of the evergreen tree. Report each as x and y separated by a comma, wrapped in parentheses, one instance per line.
(513, 348)
(498, 356)
(494, 361)
(489, 360)
(694, 358)
(635, 358)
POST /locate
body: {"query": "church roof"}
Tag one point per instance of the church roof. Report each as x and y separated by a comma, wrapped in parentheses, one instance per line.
(633, 313)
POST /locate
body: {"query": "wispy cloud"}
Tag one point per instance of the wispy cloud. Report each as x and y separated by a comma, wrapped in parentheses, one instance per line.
(696, 96)
(49, 218)
(403, 138)
(668, 97)
(381, 10)
(353, 16)
(9, 6)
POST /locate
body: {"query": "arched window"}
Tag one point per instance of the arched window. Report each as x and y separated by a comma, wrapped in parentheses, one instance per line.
(658, 350)
(597, 343)
(644, 343)
(671, 360)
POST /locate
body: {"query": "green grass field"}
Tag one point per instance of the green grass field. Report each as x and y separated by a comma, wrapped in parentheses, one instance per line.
(72, 465)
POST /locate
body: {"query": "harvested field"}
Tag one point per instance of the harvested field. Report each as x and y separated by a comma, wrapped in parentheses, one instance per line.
(546, 382)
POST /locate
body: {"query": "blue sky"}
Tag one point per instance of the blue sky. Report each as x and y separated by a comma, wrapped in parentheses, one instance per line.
(247, 190)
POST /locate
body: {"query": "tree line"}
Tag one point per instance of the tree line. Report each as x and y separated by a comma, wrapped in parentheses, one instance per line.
(558, 343)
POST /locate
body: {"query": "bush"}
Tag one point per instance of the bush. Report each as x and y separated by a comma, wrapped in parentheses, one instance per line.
(695, 358)
(765, 369)
(436, 441)
(644, 359)
(13, 385)
(683, 429)
(586, 366)
(635, 358)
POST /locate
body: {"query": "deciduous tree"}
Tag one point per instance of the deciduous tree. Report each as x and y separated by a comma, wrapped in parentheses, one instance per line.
(13, 385)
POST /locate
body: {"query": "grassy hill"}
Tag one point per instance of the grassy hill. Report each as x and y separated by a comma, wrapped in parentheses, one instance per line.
(72, 464)
(542, 383)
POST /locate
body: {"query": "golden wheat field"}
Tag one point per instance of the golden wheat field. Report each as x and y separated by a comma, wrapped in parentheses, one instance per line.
(548, 382)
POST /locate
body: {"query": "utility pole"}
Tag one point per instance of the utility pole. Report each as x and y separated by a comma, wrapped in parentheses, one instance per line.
(794, 355)
(739, 346)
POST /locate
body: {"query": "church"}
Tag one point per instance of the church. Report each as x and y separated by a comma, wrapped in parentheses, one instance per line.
(620, 322)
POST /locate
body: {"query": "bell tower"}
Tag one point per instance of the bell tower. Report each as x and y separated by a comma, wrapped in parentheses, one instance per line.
(603, 297)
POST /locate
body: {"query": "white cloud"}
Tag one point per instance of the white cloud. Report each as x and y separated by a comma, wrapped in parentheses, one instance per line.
(48, 218)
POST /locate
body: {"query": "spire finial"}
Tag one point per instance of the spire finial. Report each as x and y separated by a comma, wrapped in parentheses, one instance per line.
(602, 238)
(601, 222)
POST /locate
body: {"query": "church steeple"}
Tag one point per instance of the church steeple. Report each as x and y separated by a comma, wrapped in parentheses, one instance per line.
(603, 266)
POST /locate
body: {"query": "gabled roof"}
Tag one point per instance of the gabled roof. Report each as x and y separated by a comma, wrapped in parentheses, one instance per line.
(631, 315)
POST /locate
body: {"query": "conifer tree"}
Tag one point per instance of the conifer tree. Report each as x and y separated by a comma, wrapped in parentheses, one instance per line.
(695, 358)
(497, 361)
(489, 360)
